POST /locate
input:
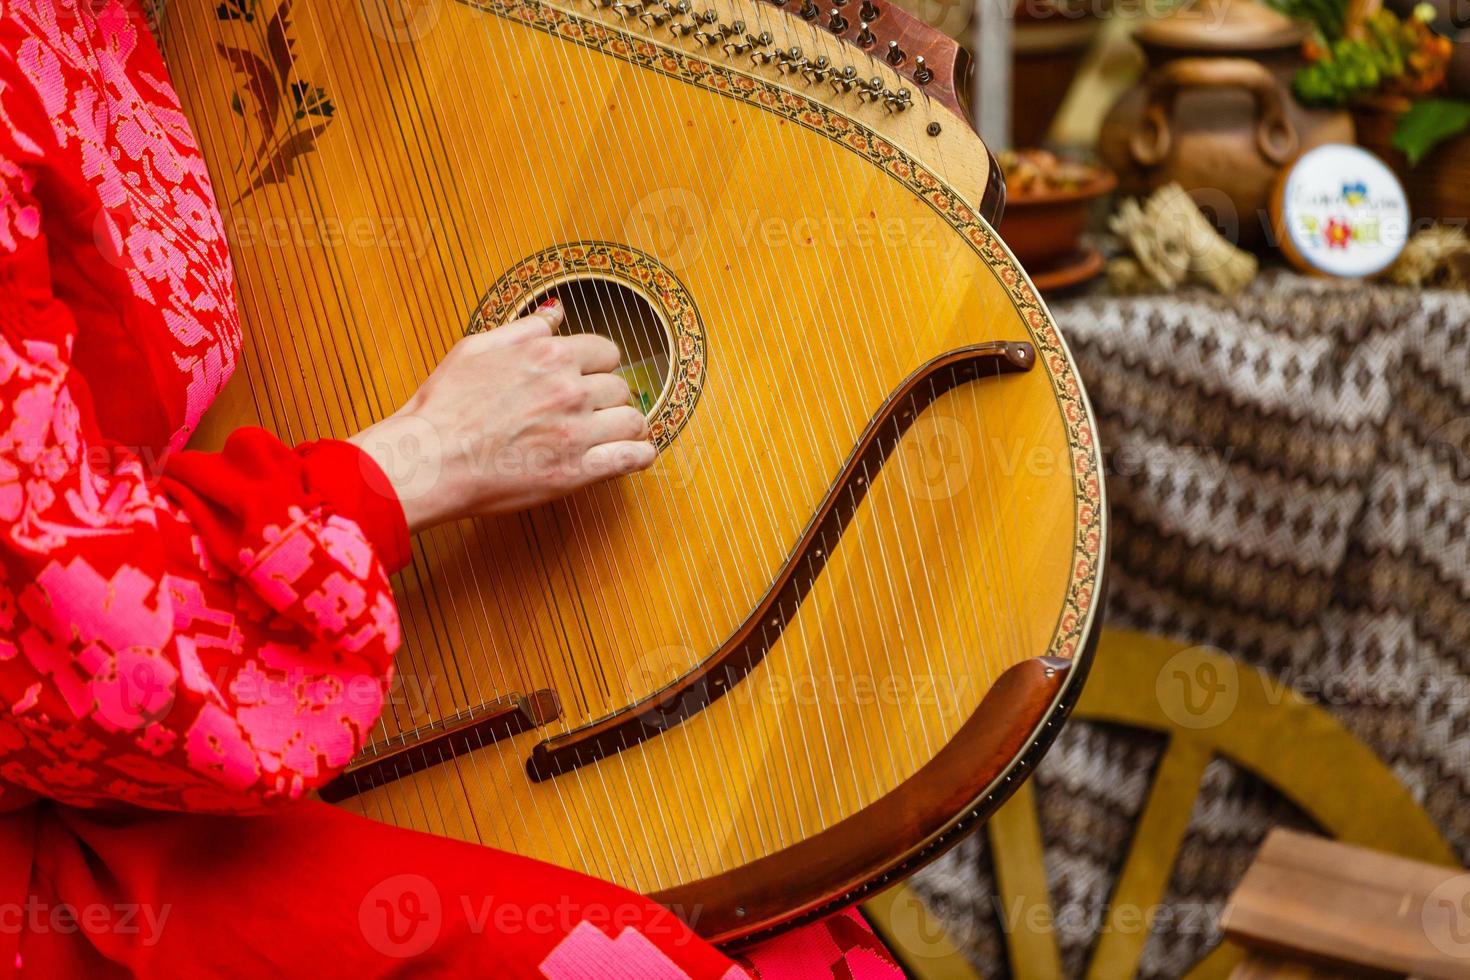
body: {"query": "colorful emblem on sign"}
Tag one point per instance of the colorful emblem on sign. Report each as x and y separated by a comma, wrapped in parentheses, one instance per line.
(1342, 212)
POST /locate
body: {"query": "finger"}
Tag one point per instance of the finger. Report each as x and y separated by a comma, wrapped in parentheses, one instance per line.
(624, 423)
(552, 311)
(607, 390)
(543, 322)
(594, 354)
(618, 459)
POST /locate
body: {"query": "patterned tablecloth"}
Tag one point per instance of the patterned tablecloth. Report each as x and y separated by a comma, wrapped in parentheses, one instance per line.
(1289, 474)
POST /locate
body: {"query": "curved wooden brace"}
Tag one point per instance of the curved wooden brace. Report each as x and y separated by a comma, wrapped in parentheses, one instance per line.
(757, 635)
(976, 771)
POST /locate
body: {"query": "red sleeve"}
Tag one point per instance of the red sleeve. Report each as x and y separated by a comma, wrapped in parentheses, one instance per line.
(218, 637)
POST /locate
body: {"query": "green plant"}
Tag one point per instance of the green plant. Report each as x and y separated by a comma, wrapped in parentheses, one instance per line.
(1429, 123)
(1389, 55)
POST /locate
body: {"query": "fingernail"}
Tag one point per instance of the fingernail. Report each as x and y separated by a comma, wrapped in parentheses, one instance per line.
(549, 304)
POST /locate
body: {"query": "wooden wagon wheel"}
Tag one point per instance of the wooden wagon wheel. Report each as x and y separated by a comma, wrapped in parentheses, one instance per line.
(1206, 704)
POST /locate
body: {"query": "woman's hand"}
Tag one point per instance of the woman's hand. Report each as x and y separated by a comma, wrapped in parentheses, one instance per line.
(511, 418)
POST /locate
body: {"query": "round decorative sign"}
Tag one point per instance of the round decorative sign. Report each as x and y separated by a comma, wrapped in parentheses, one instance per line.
(1339, 210)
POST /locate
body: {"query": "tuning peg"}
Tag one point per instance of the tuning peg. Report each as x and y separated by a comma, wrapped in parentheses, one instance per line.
(722, 32)
(865, 37)
(836, 23)
(923, 74)
(762, 40)
(895, 54)
(790, 61)
(740, 46)
(818, 70)
(869, 11)
(809, 10)
(665, 11)
(845, 80)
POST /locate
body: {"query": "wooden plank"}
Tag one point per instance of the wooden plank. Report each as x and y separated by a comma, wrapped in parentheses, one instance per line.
(1336, 903)
(1268, 966)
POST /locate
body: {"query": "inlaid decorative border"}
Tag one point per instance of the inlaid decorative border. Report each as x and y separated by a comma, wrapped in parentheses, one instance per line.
(639, 271)
(1079, 608)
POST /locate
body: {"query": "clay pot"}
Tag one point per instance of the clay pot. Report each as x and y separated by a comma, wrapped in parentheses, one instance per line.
(1215, 113)
(1459, 70)
(1042, 228)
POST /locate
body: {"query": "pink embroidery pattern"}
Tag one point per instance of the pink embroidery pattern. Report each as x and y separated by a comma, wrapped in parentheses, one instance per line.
(841, 947)
(194, 652)
(587, 953)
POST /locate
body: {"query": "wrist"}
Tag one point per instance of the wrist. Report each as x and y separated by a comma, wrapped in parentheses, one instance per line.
(352, 485)
(400, 446)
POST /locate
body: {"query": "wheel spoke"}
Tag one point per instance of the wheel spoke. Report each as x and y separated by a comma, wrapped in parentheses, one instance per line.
(1020, 878)
(1156, 843)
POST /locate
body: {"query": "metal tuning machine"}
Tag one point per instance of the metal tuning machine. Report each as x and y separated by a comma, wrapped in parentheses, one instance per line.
(720, 33)
(790, 61)
(760, 42)
(845, 80)
(818, 71)
(748, 43)
(664, 12)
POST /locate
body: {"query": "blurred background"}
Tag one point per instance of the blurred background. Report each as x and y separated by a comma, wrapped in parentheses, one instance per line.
(1274, 338)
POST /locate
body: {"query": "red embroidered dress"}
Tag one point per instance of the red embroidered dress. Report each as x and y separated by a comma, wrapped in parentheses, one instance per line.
(210, 632)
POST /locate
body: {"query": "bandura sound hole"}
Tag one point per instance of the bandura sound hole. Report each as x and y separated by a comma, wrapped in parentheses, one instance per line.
(616, 311)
